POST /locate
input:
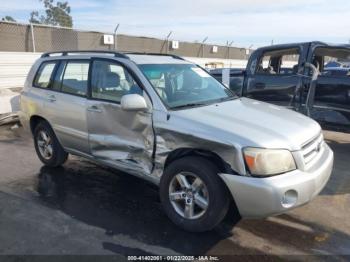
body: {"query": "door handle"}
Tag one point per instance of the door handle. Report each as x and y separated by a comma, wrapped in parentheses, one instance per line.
(52, 98)
(94, 109)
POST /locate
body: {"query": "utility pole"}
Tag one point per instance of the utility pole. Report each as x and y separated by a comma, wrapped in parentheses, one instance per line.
(228, 48)
(228, 51)
(115, 37)
(167, 41)
(272, 42)
(33, 38)
(204, 40)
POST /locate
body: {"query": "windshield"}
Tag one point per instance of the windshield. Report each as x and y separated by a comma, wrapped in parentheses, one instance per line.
(185, 85)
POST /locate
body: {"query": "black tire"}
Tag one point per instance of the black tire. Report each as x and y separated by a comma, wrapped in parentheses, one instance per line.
(219, 199)
(58, 156)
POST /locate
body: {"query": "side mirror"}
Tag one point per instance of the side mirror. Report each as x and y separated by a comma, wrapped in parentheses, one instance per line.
(133, 102)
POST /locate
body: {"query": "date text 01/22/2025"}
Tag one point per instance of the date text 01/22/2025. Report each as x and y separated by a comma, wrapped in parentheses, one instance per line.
(173, 258)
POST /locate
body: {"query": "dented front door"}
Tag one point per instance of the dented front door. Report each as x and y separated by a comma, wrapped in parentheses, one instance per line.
(123, 139)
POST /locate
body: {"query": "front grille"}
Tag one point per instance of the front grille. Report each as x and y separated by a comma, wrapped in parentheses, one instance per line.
(312, 149)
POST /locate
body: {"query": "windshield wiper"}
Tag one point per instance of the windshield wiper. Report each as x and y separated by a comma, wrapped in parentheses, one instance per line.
(207, 103)
(227, 98)
(189, 105)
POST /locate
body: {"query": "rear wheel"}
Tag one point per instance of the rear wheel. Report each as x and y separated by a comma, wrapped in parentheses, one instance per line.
(193, 195)
(47, 146)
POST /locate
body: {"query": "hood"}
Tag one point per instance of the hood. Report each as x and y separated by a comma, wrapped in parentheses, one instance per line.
(248, 122)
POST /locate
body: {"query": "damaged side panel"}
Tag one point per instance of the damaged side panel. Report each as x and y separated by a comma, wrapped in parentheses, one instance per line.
(174, 133)
(123, 139)
(132, 142)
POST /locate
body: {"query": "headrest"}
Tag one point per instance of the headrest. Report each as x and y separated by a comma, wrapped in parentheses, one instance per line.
(112, 79)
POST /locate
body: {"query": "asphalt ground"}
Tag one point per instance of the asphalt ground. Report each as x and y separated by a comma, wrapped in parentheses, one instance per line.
(85, 209)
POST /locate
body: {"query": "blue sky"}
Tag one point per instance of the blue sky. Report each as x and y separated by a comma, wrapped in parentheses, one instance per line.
(245, 22)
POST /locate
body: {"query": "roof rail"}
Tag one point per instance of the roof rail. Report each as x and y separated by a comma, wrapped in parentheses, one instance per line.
(66, 53)
(155, 54)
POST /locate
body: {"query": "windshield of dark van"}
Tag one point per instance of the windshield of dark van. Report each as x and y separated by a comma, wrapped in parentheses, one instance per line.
(185, 85)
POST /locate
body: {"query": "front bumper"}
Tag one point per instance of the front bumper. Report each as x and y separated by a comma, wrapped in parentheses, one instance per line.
(263, 197)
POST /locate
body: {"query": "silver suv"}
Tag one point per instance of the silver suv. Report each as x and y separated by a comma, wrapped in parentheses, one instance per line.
(168, 121)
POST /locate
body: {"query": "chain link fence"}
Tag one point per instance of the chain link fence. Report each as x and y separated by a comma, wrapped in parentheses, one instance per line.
(18, 37)
(15, 37)
(40, 38)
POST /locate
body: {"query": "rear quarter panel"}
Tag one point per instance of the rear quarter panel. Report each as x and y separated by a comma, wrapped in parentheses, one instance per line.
(31, 100)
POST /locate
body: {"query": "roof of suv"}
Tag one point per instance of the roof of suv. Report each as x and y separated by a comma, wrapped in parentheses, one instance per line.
(156, 59)
(138, 58)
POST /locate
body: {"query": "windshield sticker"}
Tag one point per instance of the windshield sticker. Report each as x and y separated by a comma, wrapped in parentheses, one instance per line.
(200, 72)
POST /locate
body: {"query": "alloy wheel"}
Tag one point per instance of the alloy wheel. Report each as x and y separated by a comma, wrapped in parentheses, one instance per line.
(45, 146)
(188, 195)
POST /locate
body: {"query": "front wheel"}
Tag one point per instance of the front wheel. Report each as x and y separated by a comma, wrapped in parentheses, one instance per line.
(193, 195)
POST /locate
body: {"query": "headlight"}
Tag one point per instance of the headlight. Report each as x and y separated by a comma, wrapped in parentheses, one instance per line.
(267, 162)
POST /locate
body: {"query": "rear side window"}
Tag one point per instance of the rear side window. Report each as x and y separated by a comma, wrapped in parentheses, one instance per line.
(332, 62)
(289, 64)
(279, 62)
(43, 76)
(75, 78)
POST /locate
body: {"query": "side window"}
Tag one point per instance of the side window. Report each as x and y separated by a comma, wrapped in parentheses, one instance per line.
(110, 81)
(332, 62)
(264, 65)
(43, 76)
(279, 62)
(289, 64)
(75, 78)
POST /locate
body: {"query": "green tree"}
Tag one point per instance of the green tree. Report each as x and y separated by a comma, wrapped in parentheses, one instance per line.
(56, 13)
(8, 18)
